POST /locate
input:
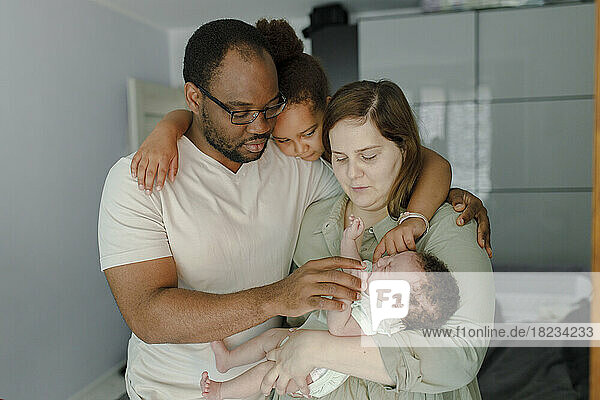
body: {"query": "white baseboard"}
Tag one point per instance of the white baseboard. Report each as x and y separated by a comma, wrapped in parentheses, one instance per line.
(109, 386)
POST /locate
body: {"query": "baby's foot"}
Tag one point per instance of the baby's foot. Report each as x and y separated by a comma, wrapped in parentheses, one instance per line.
(355, 229)
(211, 390)
(221, 355)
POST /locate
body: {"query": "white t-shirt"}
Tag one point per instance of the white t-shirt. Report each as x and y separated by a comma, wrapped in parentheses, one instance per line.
(226, 231)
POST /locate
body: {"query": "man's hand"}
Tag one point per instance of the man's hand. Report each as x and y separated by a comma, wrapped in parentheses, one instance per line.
(472, 207)
(303, 290)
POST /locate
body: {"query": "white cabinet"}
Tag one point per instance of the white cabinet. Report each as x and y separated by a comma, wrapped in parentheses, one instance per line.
(545, 144)
(431, 57)
(450, 129)
(541, 229)
(506, 97)
(537, 52)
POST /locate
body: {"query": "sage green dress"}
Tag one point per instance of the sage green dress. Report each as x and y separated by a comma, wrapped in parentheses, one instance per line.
(422, 368)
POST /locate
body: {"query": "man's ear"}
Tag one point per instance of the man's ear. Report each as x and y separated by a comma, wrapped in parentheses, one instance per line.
(192, 97)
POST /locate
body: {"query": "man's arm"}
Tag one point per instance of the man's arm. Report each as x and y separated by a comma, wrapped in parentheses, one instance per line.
(157, 311)
(131, 228)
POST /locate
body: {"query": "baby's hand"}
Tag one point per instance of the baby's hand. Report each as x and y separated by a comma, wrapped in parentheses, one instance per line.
(355, 229)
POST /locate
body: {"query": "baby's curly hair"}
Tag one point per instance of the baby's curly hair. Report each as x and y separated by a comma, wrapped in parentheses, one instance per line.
(435, 298)
(301, 76)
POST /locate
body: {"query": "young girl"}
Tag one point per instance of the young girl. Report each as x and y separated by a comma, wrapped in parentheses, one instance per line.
(297, 133)
(428, 308)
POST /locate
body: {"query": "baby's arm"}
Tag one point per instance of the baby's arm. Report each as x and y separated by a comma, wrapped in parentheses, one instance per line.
(157, 156)
(341, 323)
(348, 247)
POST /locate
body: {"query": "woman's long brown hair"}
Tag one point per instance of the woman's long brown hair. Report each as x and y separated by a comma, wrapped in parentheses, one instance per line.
(384, 104)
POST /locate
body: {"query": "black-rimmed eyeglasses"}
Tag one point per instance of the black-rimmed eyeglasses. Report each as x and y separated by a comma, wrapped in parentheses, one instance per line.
(245, 117)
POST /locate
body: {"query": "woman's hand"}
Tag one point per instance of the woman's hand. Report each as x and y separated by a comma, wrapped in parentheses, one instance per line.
(401, 238)
(294, 361)
(156, 158)
(472, 207)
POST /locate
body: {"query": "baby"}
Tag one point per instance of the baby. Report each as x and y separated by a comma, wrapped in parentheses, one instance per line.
(433, 300)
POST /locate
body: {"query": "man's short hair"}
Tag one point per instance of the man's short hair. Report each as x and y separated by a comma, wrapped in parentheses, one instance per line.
(208, 45)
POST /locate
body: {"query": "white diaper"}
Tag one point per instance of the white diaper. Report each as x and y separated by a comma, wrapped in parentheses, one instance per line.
(361, 312)
(325, 381)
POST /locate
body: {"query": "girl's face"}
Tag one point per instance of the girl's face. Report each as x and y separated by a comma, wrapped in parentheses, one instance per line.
(298, 131)
(364, 162)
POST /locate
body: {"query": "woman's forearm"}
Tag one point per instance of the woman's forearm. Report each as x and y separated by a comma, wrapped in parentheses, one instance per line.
(349, 356)
(433, 185)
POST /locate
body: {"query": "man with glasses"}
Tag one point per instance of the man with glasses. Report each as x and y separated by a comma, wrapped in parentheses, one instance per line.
(207, 257)
(255, 145)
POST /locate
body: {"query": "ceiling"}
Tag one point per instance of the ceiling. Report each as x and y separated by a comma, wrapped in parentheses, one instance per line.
(171, 14)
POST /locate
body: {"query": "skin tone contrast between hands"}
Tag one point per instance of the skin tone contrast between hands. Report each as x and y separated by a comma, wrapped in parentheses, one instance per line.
(231, 122)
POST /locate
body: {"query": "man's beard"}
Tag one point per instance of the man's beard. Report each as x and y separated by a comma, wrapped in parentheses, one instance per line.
(226, 146)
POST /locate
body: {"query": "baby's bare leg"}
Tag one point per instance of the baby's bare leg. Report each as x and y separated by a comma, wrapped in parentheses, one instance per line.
(245, 385)
(251, 351)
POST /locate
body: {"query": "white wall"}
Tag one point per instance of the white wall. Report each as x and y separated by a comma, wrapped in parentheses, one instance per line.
(178, 39)
(64, 123)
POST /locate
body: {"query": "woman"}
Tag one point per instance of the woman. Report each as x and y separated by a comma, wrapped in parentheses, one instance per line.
(297, 133)
(370, 132)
